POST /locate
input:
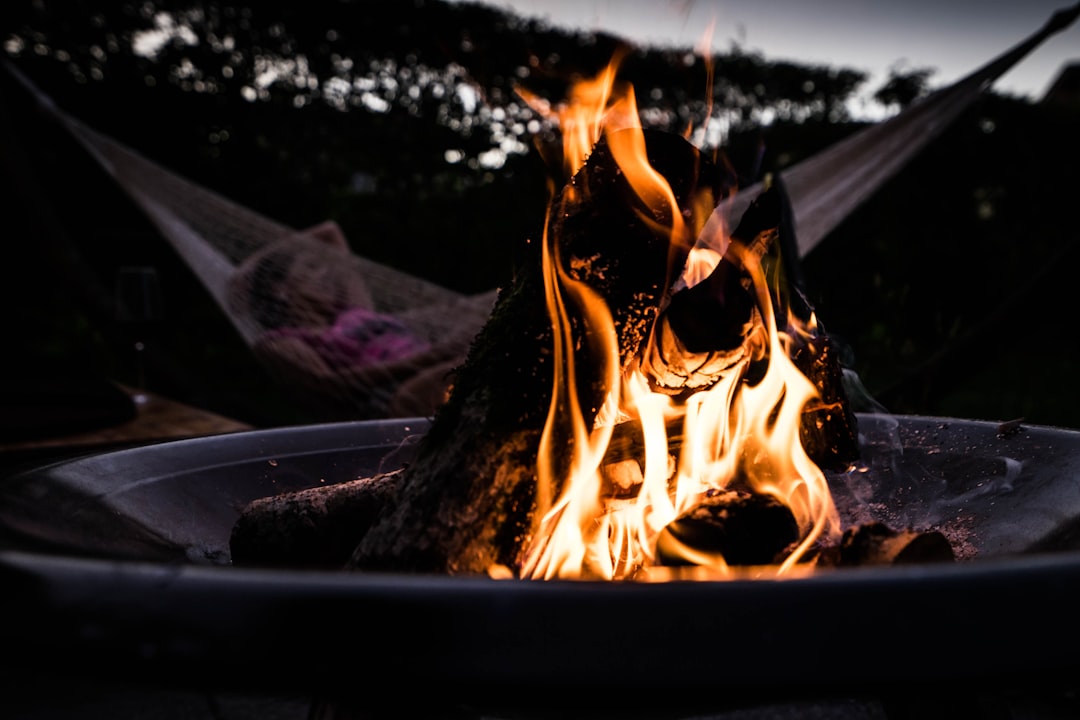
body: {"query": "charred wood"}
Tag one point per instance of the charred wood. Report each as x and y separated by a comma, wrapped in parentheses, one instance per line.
(829, 430)
(467, 502)
(706, 330)
(716, 324)
(875, 543)
(314, 528)
(743, 528)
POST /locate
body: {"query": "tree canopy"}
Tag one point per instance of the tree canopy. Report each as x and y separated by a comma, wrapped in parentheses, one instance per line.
(286, 106)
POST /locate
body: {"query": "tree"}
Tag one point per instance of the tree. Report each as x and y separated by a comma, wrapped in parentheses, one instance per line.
(904, 86)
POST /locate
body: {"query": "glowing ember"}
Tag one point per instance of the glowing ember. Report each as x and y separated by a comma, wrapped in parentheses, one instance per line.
(738, 427)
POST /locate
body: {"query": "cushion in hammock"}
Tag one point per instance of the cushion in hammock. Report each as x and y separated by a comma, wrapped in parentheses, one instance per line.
(359, 337)
(300, 280)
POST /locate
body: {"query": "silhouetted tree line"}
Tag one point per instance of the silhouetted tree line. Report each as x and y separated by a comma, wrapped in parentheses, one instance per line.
(384, 94)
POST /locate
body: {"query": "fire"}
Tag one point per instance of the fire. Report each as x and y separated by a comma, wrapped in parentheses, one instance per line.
(735, 432)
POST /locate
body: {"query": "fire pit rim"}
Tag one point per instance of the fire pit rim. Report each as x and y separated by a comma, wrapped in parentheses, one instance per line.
(272, 629)
(937, 622)
(57, 501)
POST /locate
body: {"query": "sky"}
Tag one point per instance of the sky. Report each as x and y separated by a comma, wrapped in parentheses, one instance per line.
(952, 37)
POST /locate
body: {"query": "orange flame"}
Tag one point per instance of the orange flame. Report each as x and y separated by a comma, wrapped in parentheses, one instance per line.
(733, 429)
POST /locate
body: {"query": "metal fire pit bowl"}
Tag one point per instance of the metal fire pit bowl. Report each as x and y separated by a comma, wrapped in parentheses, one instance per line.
(119, 563)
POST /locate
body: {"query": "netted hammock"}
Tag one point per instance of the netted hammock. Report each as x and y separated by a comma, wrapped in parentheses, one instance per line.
(348, 337)
(357, 339)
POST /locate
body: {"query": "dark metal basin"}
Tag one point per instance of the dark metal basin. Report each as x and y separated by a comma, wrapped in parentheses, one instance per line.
(120, 561)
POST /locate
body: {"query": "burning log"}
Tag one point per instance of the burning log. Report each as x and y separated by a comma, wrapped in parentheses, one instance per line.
(315, 528)
(741, 527)
(689, 330)
(468, 501)
(745, 529)
(704, 330)
(875, 543)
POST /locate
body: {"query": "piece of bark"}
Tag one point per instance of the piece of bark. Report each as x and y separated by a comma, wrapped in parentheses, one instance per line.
(467, 502)
(314, 528)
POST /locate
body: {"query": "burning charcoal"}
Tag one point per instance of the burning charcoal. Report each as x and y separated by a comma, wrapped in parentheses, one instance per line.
(317, 527)
(744, 528)
(875, 543)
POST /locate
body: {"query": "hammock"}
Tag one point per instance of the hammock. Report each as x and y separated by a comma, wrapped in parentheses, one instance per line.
(356, 339)
(348, 337)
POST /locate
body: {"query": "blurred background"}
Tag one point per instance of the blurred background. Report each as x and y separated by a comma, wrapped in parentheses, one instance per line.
(950, 289)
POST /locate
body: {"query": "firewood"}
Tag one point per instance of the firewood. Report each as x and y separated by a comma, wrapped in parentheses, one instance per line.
(315, 528)
(747, 529)
(875, 543)
(829, 430)
(744, 528)
(712, 325)
(704, 330)
(467, 501)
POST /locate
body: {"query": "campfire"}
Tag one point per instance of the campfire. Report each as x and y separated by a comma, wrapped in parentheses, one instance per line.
(650, 399)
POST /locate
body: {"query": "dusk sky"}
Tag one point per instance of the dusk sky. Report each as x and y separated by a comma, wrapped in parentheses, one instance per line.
(951, 36)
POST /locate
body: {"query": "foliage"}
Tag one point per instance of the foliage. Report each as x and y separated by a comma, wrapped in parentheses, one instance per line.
(904, 86)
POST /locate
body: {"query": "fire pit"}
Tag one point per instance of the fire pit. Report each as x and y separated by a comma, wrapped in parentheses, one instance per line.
(121, 561)
(649, 377)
